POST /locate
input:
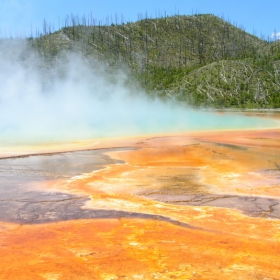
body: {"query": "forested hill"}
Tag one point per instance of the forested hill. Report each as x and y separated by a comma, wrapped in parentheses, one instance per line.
(200, 59)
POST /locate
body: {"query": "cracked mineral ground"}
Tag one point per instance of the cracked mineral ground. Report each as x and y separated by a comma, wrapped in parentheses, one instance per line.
(202, 205)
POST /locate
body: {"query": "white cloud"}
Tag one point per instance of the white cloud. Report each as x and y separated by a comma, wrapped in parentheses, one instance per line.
(275, 35)
(78, 99)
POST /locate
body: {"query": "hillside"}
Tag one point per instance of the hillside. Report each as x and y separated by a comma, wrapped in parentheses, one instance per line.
(201, 59)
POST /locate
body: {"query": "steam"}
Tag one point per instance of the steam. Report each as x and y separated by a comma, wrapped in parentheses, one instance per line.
(79, 99)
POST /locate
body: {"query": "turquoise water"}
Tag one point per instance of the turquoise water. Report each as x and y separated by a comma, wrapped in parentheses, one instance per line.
(159, 120)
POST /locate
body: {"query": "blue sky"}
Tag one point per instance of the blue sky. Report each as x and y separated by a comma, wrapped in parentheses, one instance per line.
(18, 17)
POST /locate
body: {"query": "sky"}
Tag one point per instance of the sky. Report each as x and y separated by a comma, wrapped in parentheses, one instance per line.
(23, 17)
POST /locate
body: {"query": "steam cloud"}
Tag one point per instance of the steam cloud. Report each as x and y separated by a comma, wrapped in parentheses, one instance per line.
(83, 102)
